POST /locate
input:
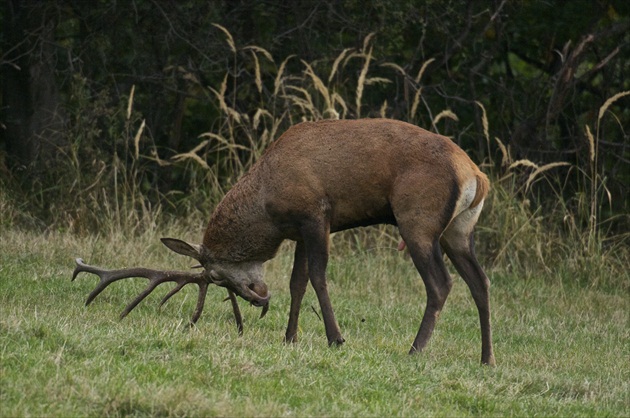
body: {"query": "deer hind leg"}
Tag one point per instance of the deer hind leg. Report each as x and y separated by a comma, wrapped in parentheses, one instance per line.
(316, 239)
(421, 220)
(299, 281)
(458, 243)
(427, 257)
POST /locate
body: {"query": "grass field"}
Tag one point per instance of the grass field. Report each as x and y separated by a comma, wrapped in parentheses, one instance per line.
(557, 259)
(562, 350)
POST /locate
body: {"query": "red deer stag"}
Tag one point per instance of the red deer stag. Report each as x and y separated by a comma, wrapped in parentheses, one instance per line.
(327, 176)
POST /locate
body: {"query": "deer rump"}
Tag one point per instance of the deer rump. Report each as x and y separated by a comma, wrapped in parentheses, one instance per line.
(327, 176)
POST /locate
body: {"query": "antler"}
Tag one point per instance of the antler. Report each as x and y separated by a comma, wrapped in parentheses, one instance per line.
(156, 277)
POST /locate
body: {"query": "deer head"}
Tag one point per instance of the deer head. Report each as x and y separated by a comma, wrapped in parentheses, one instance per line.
(243, 278)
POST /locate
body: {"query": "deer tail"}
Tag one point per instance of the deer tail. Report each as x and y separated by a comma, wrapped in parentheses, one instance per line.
(483, 186)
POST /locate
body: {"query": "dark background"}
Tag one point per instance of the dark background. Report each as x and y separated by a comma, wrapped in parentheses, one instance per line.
(542, 70)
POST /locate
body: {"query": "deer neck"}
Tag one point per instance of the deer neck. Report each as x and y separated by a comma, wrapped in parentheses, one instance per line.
(240, 229)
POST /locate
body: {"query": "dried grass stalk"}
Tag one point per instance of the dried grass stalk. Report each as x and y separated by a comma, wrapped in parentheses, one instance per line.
(261, 51)
(192, 154)
(130, 102)
(336, 63)
(336, 98)
(260, 112)
(526, 163)
(505, 154)
(395, 67)
(445, 114)
(610, 101)
(258, 78)
(230, 40)
(423, 68)
(383, 109)
(222, 104)
(136, 140)
(367, 40)
(361, 81)
(319, 85)
(278, 81)
(591, 144)
(542, 169)
(484, 121)
(376, 80)
(416, 102)
(305, 103)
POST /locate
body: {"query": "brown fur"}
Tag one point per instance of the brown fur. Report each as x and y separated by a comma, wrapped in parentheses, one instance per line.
(348, 171)
(327, 176)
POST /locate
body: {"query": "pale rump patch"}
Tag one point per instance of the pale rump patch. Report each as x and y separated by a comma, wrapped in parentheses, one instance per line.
(461, 227)
(466, 197)
(465, 215)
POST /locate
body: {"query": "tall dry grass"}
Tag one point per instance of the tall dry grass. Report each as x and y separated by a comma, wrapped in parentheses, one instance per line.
(112, 192)
(565, 239)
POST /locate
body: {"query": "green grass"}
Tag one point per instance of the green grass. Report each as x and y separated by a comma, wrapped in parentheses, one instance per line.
(562, 350)
(560, 295)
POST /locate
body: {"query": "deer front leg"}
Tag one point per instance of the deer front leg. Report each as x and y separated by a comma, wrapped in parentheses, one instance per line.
(316, 241)
(299, 281)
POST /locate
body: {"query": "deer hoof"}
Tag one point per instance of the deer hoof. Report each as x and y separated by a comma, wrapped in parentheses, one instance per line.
(414, 350)
(336, 342)
(490, 361)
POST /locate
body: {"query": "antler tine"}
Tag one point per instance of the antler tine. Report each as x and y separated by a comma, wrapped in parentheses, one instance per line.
(201, 299)
(203, 290)
(150, 288)
(156, 277)
(171, 293)
(237, 312)
(108, 276)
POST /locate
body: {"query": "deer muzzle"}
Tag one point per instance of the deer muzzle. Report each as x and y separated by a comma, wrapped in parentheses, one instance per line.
(258, 294)
(260, 297)
(255, 293)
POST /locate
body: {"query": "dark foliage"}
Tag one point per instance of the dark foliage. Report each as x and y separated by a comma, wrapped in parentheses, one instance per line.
(541, 69)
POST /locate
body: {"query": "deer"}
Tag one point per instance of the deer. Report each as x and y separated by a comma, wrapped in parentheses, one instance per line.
(332, 175)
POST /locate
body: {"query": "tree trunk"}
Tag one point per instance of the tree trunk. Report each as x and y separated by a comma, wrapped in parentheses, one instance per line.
(33, 117)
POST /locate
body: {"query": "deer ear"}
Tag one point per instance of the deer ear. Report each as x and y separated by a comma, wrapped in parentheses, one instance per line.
(183, 247)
